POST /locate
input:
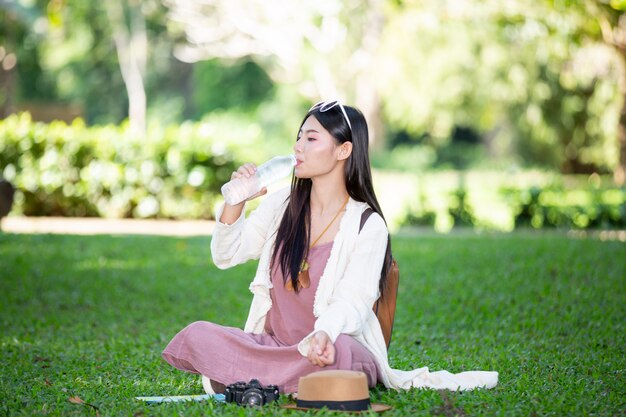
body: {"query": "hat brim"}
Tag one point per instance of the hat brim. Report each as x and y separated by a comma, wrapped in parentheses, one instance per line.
(378, 408)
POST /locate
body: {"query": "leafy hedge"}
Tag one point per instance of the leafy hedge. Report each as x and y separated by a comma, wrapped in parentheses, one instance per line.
(557, 207)
(75, 170)
(550, 206)
(177, 172)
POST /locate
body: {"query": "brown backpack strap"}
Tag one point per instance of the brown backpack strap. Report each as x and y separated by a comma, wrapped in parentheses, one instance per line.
(364, 216)
(385, 307)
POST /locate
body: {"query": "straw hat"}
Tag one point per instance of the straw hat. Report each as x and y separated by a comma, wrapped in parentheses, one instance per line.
(335, 390)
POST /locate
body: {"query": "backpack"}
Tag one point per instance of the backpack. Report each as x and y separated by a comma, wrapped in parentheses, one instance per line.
(385, 306)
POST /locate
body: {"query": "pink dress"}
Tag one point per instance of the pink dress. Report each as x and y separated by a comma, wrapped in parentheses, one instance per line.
(228, 355)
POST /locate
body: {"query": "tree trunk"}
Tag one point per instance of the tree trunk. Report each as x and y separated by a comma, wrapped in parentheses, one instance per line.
(613, 30)
(620, 171)
(7, 82)
(132, 51)
(619, 174)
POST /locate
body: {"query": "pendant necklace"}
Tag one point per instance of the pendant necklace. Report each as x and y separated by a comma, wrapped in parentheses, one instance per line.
(303, 276)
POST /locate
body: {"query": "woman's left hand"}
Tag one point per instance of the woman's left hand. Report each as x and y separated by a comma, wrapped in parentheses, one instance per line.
(322, 350)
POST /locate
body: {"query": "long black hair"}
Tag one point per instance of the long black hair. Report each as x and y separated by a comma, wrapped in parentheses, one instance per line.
(293, 231)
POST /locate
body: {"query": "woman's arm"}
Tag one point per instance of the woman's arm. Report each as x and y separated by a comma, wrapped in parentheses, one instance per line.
(237, 239)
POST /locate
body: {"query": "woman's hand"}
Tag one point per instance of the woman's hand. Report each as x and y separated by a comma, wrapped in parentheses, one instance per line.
(246, 171)
(232, 213)
(322, 351)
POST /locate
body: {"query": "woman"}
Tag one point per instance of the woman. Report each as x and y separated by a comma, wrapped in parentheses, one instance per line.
(312, 304)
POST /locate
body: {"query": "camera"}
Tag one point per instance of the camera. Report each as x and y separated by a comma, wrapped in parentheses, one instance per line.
(251, 394)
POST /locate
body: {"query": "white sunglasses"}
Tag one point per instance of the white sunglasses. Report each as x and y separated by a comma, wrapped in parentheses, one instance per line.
(323, 106)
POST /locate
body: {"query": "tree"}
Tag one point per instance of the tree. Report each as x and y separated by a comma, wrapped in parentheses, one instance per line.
(572, 104)
(514, 74)
(81, 53)
(131, 42)
(611, 22)
(328, 48)
(18, 23)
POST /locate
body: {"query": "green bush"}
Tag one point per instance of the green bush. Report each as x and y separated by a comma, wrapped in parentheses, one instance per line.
(558, 207)
(567, 203)
(76, 170)
(460, 211)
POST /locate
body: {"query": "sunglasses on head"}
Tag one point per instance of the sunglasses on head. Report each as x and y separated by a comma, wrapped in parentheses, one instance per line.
(323, 106)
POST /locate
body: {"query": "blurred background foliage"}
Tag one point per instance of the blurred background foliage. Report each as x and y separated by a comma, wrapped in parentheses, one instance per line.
(98, 99)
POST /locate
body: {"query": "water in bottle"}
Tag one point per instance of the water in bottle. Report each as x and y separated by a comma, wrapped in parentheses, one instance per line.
(239, 189)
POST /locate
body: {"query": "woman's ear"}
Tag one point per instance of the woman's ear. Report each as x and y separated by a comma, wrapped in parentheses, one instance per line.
(345, 150)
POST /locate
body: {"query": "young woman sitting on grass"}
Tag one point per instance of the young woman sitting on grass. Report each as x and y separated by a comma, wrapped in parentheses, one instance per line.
(318, 277)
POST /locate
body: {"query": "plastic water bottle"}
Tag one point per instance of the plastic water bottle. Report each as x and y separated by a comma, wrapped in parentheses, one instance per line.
(239, 189)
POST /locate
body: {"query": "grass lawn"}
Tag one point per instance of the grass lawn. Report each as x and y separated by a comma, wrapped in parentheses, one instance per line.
(88, 316)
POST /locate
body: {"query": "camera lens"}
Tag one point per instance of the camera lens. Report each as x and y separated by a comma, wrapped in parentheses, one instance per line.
(252, 397)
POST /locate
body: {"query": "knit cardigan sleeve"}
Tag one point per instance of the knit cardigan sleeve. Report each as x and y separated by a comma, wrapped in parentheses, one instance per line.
(245, 239)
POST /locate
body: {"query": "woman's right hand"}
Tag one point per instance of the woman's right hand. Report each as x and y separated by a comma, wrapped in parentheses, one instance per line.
(246, 171)
(230, 214)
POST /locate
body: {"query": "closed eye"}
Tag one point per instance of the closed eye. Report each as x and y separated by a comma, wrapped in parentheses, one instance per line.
(307, 133)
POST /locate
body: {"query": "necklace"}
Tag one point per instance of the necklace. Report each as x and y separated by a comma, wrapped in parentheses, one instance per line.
(303, 276)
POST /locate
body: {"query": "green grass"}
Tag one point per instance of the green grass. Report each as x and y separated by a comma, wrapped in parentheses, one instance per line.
(89, 316)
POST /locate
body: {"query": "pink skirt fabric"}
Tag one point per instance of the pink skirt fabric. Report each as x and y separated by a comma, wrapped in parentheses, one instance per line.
(228, 355)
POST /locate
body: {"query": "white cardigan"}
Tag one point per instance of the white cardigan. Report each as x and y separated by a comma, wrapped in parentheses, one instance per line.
(347, 290)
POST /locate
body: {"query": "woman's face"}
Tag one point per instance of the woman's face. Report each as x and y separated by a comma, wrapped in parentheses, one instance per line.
(317, 152)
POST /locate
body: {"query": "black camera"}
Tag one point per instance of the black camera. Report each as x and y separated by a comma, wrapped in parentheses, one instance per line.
(251, 394)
